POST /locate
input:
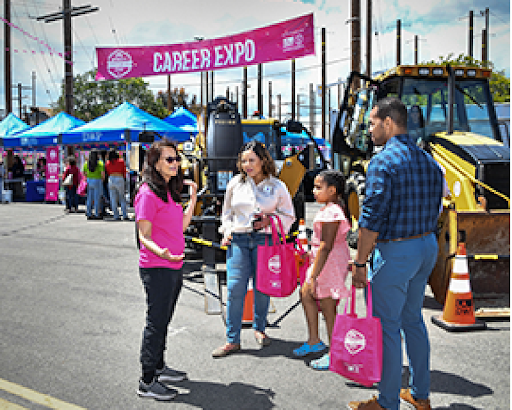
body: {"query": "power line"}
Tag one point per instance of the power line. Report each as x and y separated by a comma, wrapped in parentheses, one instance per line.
(28, 48)
(44, 57)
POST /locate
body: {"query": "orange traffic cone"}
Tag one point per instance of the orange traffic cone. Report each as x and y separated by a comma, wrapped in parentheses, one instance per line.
(248, 315)
(459, 310)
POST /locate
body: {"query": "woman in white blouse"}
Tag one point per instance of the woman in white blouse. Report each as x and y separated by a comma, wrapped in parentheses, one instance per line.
(251, 197)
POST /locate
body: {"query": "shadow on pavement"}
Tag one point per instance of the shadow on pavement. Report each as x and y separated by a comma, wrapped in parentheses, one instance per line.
(448, 383)
(209, 395)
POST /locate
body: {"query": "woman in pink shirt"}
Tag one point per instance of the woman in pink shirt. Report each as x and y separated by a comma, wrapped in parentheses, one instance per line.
(160, 225)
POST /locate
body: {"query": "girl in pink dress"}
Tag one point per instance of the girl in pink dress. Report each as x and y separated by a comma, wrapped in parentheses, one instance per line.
(325, 278)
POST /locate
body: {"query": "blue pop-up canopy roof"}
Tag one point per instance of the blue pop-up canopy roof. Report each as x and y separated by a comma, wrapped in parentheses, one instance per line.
(10, 126)
(122, 124)
(46, 133)
(183, 119)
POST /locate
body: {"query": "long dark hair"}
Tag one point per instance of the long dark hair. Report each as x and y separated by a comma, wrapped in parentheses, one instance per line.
(268, 167)
(154, 179)
(92, 162)
(335, 178)
(113, 154)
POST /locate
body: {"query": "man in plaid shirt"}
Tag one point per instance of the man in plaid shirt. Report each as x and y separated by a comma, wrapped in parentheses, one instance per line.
(404, 186)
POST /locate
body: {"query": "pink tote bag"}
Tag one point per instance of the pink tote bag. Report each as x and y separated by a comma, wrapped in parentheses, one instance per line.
(356, 346)
(276, 271)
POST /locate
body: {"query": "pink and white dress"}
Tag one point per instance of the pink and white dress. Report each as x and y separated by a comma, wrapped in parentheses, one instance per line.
(331, 281)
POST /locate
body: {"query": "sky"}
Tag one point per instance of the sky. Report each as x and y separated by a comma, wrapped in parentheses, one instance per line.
(442, 27)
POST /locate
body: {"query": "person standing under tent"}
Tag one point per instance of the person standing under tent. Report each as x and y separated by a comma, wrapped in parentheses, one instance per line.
(94, 171)
(116, 171)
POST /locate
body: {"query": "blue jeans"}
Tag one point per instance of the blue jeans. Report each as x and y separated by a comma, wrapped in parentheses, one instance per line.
(94, 189)
(71, 197)
(116, 191)
(162, 286)
(241, 266)
(398, 292)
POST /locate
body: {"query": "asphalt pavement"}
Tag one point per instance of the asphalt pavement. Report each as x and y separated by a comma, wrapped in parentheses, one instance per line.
(72, 313)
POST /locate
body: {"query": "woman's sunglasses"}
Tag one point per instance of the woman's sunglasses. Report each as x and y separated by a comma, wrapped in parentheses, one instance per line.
(170, 160)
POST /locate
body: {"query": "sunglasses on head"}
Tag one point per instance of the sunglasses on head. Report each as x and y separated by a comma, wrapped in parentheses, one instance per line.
(170, 160)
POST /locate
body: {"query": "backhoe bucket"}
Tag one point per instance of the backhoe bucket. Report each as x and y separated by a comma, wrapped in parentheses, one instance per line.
(487, 238)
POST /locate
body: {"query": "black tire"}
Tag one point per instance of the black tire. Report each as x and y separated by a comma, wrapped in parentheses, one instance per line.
(355, 188)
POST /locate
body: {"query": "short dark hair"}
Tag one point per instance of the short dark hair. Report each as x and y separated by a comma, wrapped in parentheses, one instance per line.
(393, 108)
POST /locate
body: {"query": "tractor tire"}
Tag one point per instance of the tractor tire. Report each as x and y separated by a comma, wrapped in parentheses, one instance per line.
(355, 188)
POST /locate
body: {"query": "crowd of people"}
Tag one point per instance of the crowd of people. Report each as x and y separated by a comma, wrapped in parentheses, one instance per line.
(103, 181)
(399, 241)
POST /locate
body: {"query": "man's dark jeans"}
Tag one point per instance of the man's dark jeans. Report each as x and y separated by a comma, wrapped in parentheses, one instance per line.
(162, 286)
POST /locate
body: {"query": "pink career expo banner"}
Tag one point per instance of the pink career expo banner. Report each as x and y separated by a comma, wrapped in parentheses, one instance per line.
(52, 174)
(282, 41)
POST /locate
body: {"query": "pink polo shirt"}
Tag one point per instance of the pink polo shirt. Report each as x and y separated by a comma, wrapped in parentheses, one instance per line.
(166, 227)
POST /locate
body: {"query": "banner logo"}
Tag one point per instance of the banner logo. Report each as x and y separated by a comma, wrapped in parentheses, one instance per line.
(354, 341)
(119, 63)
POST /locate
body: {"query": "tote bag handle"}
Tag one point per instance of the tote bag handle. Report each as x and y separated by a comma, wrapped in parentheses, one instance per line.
(369, 305)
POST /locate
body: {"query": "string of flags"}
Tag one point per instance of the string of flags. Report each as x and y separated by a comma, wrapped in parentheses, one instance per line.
(42, 42)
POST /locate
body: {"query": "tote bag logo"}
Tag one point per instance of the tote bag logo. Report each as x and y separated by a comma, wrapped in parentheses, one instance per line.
(119, 63)
(274, 264)
(354, 341)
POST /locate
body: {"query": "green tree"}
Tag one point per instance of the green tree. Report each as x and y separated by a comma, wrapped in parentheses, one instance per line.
(94, 98)
(499, 83)
(179, 98)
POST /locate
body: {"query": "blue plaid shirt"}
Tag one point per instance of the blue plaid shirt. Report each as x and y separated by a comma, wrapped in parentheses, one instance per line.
(404, 186)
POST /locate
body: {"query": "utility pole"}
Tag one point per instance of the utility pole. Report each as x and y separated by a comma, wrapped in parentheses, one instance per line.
(7, 58)
(485, 35)
(34, 107)
(293, 89)
(298, 107)
(323, 82)
(470, 51)
(212, 90)
(260, 91)
(270, 99)
(20, 88)
(169, 99)
(398, 42)
(416, 50)
(311, 109)
(66, 14)
(355, 43)
(244, 94)
(368, 38)
(484, 45)
(279, 107)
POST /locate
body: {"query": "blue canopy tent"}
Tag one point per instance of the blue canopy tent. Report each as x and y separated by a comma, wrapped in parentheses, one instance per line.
(46, 133)
(10, 126)
(122, 124)
(183, 119)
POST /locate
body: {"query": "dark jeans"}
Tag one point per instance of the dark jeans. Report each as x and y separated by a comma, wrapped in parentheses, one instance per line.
(71, 197)
(162, 286)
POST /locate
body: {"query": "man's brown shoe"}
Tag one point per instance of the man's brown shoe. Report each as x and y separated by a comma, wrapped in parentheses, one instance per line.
(225, 350)
(365, 405)
(419, 404)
